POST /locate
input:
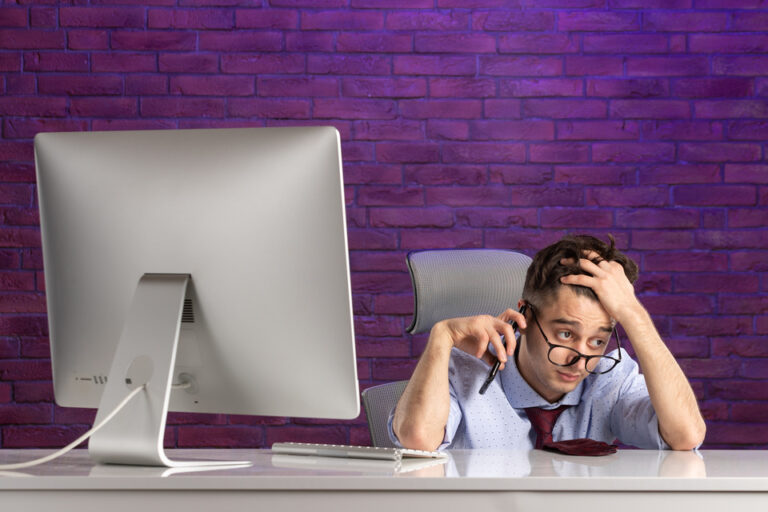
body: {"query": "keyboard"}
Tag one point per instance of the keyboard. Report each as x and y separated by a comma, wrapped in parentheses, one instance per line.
(354, 452)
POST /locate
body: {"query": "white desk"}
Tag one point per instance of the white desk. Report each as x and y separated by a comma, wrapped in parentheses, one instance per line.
(722, 481)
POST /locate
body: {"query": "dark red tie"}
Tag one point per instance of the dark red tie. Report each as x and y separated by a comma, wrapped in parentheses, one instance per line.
(542, 421)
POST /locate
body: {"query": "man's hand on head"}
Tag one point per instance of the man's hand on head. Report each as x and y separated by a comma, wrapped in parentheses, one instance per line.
(609, 282)
(476, 334)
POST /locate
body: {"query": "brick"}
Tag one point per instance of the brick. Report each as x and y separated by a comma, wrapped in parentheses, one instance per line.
(241, 41)
(598, 21)
(661, 239)
(624, 196)
(713, 87)
(721, 239)
(650, 109)
(715, 282)
(314, 434)
(54, 61)
(682, 130)
(520, 66)
(373, 261)
(427, 20)
(742, 346)
(182, 107)
(24, 370)
(445, 174)
(25, 414)
(390, 196)
(482, 152)
(709, 368)
(104, 107)
(594, 175)
(381, 282)
(475, 196)
(42, 436)
(212, 85)
(737, 434)
(87, 39)
(266, 18)
(752, 412)
(722, 195)
(669, 21)
(484, 217)
(711, 326)
(749, 261)
(309, 41)
(747, 218)
(188, 63)
(5, 393)
(713, 218)
(597, 130)
(16, 151)
(32, 39)
(123, 62)
(309, 3)
(728, 43)
(648, 4)
(260, 63)
(740, 65)
(220, 437)
(388, 130)
(9, 348)
(38, 107)
(512, 130)
(386, 347)
(594, 66)
(628, 88)
(558, 152)
(426, 152)
(547, 196)
(656, 218)
(460, 42)
(416, 239)
(688, 261)
(20, 84)
(354, 109)
(743, 305)
(433, 65)
(154, 40)
(513, 21)
(374, 43)
(28, 127)
(267, 108)
(43, 17)
(462, 88)
(719, 152)
(633, 152)
(731, 108)
(185, 19)
(14, 17)
(575, 218)
(379, 327)
(671, 305)
(502, 109)
(430, 109)
(349, 64)
(370, 239)
(138, 84)
(523, 240)
(541, 87)
(746, 173)
(533, 43)
(564, 109)
(342, 20)
(384, 87)
(12, 62)
(667, 66)
(653, 283)
(108, 17)
(521, 174)
(625, 43)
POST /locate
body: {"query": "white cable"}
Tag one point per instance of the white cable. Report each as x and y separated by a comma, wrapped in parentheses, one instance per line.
(70, 446)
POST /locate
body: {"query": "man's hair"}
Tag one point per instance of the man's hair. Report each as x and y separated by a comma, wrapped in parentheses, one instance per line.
(542, 281)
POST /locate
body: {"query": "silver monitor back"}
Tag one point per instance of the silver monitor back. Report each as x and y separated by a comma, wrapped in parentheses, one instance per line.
(256, 218)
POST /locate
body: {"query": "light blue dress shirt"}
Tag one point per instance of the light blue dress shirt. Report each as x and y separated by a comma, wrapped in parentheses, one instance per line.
(606, 407)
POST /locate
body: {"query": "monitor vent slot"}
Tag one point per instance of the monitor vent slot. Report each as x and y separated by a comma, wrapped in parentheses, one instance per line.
(187, 314)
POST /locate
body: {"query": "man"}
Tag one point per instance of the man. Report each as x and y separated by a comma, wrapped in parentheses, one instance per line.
(576, 290)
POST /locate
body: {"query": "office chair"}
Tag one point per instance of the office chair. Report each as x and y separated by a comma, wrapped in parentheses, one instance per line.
(449, 284)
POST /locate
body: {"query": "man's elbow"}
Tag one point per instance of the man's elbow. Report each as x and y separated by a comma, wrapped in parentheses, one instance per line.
(417, 438)
(689, 440)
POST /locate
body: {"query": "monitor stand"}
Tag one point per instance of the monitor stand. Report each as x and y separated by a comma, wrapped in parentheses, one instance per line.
(146, 355)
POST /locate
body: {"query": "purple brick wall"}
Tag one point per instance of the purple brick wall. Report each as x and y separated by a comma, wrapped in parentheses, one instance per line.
(465, 123)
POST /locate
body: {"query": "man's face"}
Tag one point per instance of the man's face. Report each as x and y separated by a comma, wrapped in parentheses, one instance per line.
(570, 320)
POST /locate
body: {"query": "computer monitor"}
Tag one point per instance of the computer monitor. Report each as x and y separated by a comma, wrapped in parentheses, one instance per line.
(217, 258)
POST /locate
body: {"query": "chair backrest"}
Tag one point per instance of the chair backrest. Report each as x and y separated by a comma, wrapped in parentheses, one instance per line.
(378, 402)
(464, 282)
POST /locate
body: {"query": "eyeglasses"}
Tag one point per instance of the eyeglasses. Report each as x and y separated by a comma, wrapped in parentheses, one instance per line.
(593, 364)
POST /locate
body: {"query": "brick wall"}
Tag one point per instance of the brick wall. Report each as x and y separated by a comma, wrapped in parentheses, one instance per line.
(466, 123)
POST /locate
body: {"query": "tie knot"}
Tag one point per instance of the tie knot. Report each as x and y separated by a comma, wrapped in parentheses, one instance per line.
(542, 421)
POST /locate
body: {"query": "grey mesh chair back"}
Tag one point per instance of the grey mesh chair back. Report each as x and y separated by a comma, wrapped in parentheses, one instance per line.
(464, 282)
(378, 402)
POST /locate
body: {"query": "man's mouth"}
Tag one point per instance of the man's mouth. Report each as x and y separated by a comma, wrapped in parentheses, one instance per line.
(568, 377)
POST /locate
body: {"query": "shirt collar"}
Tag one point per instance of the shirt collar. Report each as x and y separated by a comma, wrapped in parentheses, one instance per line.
(521, 395)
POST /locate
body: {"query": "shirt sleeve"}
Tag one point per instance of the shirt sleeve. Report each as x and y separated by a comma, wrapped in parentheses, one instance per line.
(633, 418)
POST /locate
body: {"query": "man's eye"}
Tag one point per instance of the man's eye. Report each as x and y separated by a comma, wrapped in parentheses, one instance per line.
(598, 343)
(564, 335)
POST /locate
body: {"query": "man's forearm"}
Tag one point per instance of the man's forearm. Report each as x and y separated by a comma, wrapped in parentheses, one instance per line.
(422, 411)
(680, 421)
